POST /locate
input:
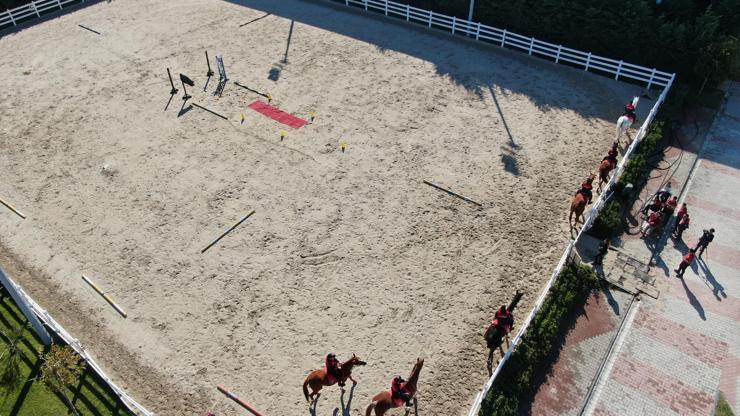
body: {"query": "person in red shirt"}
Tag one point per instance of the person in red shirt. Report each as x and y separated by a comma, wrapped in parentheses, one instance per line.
(683, 225)
(585, 190)
(686, 262)
(679, 215)
(652, 223)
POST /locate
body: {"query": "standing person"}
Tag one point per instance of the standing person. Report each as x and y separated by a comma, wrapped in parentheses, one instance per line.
(683, 225)
(704, 240)
(679, 216)
(603, 248)
(664, 193)
(670, 206)
(686, 262)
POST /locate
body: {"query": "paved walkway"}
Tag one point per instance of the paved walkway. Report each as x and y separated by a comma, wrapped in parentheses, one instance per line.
(678, 351)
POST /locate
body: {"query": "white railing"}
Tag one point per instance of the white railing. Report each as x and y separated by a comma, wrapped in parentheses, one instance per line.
(598, 205)
(34, 9)
(504, 38)
(53, 325)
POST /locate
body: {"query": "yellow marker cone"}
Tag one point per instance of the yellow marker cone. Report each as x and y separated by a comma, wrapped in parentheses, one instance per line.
(312, 115)
(269, 97)
(283, 133)
(242, 118)
(343, 144)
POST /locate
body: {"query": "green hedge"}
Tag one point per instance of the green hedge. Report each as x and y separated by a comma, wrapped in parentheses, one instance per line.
(515, 382)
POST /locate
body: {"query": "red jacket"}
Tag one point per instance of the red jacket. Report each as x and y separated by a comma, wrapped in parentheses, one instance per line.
(681, 212)
(689, 258)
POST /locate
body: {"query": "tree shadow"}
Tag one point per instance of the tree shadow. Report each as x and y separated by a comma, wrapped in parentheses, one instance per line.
(35, 370)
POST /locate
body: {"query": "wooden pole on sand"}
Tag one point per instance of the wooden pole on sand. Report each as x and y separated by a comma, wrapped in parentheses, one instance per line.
(452, 193)
(226, 232)
(10, 207)
(106, 297)
(244, 404)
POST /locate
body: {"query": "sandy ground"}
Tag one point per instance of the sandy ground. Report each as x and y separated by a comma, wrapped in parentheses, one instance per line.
(347, 252)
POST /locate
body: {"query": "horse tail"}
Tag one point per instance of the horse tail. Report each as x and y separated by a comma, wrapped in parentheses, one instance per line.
(370, 408)
(305, 389)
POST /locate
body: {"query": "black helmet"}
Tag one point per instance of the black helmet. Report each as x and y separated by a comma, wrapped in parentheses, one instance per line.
(711, 230)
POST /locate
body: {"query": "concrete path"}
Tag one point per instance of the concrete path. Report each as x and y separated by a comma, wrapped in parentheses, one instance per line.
(677, 352)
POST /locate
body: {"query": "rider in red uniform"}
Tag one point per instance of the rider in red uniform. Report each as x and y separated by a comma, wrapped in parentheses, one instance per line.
(503, 319)
(586, 191)
(611, 156)
(399, 392)
(629, 111)
(334, 368)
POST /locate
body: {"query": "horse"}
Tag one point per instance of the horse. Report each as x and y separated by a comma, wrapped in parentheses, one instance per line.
(319, 378)
(495, 333)
(605, 167)
(578, 204)
(383, 401)
(623, 124)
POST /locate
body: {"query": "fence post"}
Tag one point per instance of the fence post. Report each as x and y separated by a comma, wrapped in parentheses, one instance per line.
(19, 297)
(619, 69)
(386, 7)
(477, 32)
(346, 2)
(531, 44)
(503, 39)
(365, 5)
(454, 24)
(652, 76)
(11, 18)
(59, 3)
(33, 3)
(430, 18)
(408, 11)
(557, 58)
(588, 61)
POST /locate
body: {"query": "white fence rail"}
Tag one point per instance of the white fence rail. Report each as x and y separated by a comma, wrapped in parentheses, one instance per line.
(32, 10)
(502, 37)
(52, 324)
(598, 205)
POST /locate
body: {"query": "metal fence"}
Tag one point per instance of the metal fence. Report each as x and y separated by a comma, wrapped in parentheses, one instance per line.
(32, 10)
(504, 38)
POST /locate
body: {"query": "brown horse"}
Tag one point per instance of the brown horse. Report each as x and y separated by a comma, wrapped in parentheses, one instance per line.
(605, 167)
(578, 205)
(318, 378)
(383, 401)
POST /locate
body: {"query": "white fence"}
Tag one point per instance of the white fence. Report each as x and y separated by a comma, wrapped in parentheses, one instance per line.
(504, 38)
(32, 10)
(52, 324)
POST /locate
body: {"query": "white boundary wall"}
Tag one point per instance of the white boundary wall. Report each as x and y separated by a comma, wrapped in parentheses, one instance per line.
(13, 17)
(504, 38)
(52, 324)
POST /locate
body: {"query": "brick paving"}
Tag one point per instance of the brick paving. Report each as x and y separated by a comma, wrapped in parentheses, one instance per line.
(681, 349)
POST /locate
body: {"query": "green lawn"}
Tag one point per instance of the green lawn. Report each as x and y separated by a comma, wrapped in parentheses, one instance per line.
(31, 398)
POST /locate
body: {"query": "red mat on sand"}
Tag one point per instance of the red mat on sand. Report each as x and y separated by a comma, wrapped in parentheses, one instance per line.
(277, 114)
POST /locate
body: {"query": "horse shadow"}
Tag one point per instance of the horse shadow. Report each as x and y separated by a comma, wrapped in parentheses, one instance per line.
(717, 288)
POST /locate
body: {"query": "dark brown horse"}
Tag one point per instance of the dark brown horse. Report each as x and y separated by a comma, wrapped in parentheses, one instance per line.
(605, 167)
(495, 333)
(317, 379)
(383, 401)
(578, 205)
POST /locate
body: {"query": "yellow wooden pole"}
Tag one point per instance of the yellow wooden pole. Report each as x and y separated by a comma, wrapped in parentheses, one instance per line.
(106, 297)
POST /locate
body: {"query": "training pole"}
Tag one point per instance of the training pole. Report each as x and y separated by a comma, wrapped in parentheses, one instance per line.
(106, 297)
(173, 91)
(10, 207)
(211, 111)
(453, 194)
(208, 62)
(185, 90)
(226, 232)
(244, 404)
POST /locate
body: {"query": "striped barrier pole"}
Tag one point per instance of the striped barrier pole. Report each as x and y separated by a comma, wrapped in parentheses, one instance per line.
(244, 404)
(106, 297)
(10, 207)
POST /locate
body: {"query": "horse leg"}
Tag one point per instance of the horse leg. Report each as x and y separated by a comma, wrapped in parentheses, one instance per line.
(416, 407)
(353, 380)
(370, 409)
(489, 364)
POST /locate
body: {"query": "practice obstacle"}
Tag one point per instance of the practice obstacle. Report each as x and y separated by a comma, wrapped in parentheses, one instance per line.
(226, 232)
(186, 81)
(249, 89)
(210, 111)
(233, 397)
(87, 28)
(173, 91)
(208, 62)
(10, 207)
(106, 297)
(452, 193)
(277, 114)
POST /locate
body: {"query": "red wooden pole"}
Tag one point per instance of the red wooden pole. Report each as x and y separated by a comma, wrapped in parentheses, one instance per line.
(244, 404)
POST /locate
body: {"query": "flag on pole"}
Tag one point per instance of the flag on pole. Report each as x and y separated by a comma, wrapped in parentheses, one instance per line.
(186, 80)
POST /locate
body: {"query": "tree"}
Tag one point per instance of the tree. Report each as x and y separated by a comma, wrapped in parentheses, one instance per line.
(62, 368)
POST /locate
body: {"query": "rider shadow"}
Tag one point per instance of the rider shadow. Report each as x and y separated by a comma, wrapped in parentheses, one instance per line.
(345, 409)
(694, 301)
(717, 287)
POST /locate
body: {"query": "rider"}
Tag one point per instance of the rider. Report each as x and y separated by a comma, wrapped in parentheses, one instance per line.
(670, 206)
(503, 319)
(629, 111)
(611, 155)
(334, 368)
(585, 190)
(398, 390)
